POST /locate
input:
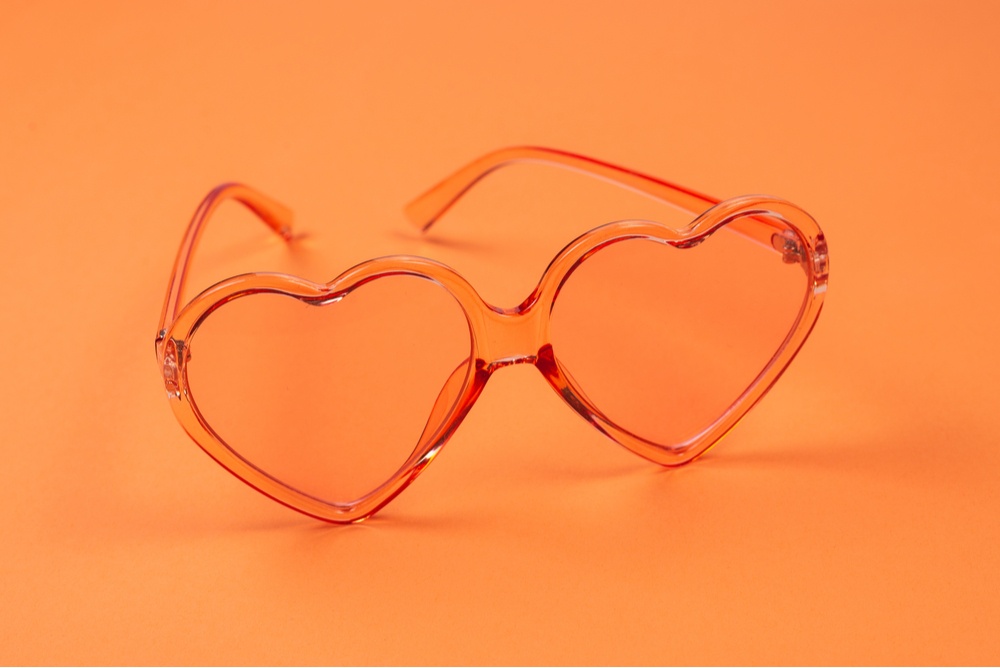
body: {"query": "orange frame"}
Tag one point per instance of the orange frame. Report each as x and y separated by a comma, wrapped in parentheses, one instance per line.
(499, 337)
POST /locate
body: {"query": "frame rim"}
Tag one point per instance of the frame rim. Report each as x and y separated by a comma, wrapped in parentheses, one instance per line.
(807, 246)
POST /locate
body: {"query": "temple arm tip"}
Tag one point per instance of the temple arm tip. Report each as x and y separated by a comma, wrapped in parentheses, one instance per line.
(275, 215)
(419, 214)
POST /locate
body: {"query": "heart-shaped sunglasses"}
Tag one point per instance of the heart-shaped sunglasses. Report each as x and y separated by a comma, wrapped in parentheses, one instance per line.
(661, 338)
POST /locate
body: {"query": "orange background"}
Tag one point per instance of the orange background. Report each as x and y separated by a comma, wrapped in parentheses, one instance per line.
(852, 517)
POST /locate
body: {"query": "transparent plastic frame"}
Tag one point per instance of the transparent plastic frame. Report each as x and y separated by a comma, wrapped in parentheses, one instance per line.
(499, 337)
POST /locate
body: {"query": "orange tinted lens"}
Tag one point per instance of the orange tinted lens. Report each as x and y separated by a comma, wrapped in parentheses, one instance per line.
(331, 400)
(663, 340)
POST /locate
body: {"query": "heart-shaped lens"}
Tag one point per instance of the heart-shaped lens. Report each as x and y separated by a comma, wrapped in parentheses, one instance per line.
(333, 399)
(663, 341)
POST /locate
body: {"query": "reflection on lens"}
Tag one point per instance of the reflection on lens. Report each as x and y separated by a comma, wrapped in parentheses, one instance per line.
(330, 400)
(663, 340)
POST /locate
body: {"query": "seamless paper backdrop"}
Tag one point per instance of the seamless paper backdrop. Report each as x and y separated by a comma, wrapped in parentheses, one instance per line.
(852, 517)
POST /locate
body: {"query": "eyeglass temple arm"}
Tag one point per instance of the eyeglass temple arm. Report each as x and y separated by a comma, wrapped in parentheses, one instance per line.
(275, 215)
(426, 209)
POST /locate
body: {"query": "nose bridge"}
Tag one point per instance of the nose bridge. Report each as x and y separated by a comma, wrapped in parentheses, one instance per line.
(512, 336)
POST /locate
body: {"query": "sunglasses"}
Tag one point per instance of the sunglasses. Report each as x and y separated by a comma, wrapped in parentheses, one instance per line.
(331, 398)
